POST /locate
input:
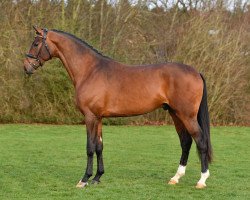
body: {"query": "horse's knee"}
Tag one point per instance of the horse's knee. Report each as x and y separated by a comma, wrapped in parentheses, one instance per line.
(90, 152)
(99, 149)
(100, 171)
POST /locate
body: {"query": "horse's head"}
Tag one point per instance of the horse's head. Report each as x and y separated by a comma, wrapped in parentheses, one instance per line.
(39, 51)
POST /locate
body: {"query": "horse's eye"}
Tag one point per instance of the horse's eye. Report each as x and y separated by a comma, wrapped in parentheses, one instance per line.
(36, 44)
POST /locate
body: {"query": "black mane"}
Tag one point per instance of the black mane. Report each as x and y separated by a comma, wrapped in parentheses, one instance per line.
(81, 41)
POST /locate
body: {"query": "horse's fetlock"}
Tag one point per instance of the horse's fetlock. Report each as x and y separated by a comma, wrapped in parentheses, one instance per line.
(101, 172)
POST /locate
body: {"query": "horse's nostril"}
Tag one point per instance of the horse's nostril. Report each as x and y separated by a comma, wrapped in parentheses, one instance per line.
(28, 71)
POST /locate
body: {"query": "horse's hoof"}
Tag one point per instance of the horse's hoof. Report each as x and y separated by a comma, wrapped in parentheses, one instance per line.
(81, 184)
(200, 186)
(172, 182)
(95, 182)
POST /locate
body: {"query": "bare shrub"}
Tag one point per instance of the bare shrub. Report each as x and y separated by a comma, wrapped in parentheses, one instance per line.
(199, 33)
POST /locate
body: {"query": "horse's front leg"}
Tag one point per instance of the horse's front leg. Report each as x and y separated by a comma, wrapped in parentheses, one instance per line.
(99, 149)
(92, 127)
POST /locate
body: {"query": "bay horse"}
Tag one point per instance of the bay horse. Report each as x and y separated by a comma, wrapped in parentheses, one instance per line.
(107, 88)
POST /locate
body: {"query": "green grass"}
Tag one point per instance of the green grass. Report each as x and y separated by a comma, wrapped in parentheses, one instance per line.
(46, 162)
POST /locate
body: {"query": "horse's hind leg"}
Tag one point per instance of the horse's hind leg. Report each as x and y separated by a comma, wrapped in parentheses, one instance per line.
(197, 134)
(186, 142)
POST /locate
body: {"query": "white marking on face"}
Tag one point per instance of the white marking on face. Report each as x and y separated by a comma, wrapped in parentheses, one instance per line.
(100, 139)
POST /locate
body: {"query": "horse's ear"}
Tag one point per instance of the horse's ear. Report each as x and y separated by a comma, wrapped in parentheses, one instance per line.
(38, 30)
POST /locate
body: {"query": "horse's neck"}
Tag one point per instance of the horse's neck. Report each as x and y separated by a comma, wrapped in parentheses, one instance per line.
(78, 60)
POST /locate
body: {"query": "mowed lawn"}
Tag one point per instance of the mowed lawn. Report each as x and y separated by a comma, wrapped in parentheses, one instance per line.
(47, 161)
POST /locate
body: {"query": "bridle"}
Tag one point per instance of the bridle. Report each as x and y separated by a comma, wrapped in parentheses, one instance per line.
(36, 58)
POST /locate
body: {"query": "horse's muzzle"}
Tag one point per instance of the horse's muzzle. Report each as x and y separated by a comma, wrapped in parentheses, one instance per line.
(27, 68)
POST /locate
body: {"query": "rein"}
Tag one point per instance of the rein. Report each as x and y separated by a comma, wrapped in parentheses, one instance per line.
(36, 58)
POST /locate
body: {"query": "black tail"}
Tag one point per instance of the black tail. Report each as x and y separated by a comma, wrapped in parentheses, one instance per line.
(204, 122)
